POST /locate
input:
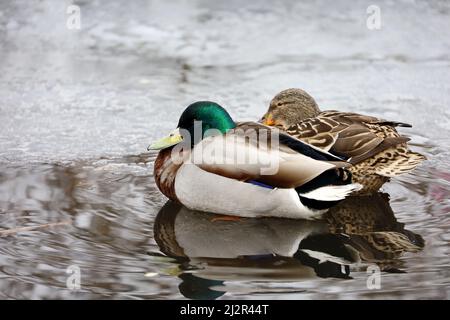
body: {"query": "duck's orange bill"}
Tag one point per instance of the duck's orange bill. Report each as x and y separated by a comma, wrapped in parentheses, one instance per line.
(268, 120)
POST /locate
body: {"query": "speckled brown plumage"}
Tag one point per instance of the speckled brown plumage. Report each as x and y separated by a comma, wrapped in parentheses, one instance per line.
(374, 147)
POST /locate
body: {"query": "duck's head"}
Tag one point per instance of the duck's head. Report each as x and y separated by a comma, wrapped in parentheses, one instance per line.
(200, 119)
(289, 107)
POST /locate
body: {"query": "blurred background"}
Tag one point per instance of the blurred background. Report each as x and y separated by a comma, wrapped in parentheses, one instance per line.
(78, 108)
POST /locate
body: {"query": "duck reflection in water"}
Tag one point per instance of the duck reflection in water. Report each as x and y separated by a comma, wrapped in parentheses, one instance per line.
(359, 231)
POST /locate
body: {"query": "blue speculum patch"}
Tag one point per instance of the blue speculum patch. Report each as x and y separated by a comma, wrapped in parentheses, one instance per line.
(260, 184)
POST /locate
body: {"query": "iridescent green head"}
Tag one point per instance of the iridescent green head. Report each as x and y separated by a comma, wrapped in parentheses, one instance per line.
(212, 116)
(197, 121)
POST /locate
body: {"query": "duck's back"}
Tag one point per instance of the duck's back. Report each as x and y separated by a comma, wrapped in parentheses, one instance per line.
(374, 147)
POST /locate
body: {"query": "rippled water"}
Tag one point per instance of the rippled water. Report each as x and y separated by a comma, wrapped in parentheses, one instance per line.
(78, 109)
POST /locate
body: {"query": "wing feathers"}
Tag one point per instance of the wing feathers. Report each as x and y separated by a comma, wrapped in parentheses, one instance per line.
(349, 135)
(385, 144)
(234, 156)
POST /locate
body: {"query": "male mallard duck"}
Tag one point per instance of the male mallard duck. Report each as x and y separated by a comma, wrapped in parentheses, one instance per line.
(372, 145)
(201, 166)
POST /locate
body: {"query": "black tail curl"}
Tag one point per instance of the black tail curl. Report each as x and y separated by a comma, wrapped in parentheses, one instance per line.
(334, 177)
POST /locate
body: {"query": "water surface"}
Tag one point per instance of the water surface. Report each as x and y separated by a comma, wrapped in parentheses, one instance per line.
(78, 109)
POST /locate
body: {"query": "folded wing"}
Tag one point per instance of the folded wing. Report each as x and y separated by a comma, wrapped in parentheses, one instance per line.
(256, 152)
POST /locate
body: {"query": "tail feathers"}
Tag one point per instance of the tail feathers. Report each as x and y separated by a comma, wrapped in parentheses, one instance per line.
(337, 177)
(332, 193)
(395, 124)
(327, 190)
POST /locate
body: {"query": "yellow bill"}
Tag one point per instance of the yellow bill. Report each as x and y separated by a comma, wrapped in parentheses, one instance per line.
(173, 139)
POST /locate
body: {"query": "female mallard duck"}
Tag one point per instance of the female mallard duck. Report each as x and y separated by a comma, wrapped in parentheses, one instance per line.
(373, 146)
(210, 163)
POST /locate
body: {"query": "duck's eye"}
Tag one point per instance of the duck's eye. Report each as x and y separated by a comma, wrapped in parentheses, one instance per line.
(279, 104)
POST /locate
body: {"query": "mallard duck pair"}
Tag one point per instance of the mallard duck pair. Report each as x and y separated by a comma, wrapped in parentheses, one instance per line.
(212, 163)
